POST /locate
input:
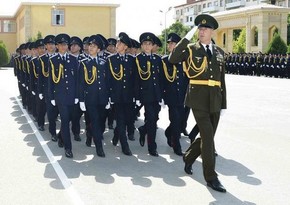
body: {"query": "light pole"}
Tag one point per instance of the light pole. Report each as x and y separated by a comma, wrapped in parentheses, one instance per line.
(165, 33)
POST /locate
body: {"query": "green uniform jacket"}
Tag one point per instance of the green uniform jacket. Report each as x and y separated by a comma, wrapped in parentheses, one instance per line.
(203, 97)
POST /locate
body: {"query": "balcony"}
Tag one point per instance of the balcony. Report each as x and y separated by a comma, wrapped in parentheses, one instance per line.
(235, 4)
(210, 9)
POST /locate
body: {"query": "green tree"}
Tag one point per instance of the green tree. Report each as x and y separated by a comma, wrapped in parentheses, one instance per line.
(277, 45)
(239, 45)
(33, 39)
(3, 54)
(177, 28)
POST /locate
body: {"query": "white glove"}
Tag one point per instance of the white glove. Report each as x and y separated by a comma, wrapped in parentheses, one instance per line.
(53, 102)
(190, 34)
(162, 103)
(82, 106)
(76, 100)
(108, 106)
(26, 87)
(111, 101)
(222, 112)
(40, 96)
(33, 93)
(138, 103)
(23, 85)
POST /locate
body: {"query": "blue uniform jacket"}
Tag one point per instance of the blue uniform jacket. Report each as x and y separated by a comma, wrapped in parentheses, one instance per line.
(122, 81)
(148, 90)
(64, 91)
(174, 87)
(34, 67)
(93, 90)
(43, 75)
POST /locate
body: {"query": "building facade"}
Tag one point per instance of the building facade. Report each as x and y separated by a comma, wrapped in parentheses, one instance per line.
(258, 17)
(76, 19)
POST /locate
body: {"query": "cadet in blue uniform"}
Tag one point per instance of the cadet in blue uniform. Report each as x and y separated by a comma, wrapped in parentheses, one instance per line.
(62, 87)
(94, 90)
(149, 90)
(41, 107)
(206, 94)
(175, 85)
(122, 68)
(43, 76)
(26, 67)
(76, 46)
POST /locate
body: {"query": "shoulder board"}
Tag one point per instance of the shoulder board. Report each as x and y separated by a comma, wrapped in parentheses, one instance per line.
(85, 59)
(164, 57)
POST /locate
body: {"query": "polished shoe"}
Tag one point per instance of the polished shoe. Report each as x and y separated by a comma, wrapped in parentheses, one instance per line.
(41, 128)
(154, 153)
(178, 152)
(215, 153)
(115, 140)
(187, 167)
(127, 151)
(100, 152)
(89, 141)
(53, 138)
(111, 127)
(131, 137)
(68, 153)
(60, 142)
(142, 137)
(216, 185)
(77, 138)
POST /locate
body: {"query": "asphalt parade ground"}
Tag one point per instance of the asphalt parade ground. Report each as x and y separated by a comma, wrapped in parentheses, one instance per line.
(252, 141)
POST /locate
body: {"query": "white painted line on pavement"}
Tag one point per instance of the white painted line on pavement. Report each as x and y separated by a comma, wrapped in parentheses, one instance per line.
(74, 196)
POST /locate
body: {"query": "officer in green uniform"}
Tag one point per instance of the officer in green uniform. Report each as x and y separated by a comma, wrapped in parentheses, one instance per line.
(206, 93)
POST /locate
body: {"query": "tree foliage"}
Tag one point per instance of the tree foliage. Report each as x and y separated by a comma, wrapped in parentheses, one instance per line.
(3, 54)
(38, 36)
(277, 45)
(177, 28)
(239, 45)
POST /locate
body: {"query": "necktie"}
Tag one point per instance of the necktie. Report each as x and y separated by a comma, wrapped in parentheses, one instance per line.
(208, 52)
(63, 58)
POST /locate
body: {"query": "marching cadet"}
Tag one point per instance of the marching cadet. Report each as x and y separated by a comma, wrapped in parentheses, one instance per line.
(41, 107)
(156, 46)
(206, 94)
(76, 46)
(62, 87)
(33, 66)
(21, 75)
(149, 90)
(94, 90)
(175, 85)
(122, 68)
(17, 68)
(27, 76)
(43, 76)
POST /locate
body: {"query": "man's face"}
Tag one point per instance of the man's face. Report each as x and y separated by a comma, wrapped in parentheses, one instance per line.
(121, 47)
(50, 47)
(75, 49)
(147, 46)
(205, 34)
(111, 48)
(62, 48)
(93, 49)
(171, 46)
(41, 50)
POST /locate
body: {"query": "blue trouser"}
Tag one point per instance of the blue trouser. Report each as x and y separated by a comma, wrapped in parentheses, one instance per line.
(65, 112)
(52, 113)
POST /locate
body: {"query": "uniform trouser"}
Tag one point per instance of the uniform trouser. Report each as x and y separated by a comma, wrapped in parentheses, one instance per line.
(175, 126)
(124, 118)
(34, 105)
(97, 117)
(23, 95)
(66, 112)
(185, 112)
(151, 117)
(194, 132)
(52, 113)
(77, 114)
(131, 119)
(41, 110)
(204, 146)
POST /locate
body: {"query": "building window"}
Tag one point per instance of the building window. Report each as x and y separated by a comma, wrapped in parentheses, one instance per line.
(9, 26)
(204, 6)
(216, 3)
(57, 17)
(209, 4)
(221, 3)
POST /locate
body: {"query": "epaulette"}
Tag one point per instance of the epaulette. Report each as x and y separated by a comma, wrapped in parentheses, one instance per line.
(84, 59)
(165, 56)
(54, 55)
(42, 55)
(113, 54)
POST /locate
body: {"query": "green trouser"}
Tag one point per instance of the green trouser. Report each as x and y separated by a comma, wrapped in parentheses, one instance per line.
(204, 146)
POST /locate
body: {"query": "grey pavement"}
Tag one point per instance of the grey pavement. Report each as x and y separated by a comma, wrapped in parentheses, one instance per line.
(253, 143)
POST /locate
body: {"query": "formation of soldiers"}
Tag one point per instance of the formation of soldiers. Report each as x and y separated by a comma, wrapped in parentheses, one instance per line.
(258, 64)
(106, 80)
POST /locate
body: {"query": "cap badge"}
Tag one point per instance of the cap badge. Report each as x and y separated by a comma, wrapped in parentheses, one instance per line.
(203, 21)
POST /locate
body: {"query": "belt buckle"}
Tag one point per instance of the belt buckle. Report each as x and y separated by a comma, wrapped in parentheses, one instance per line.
(211, 83)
